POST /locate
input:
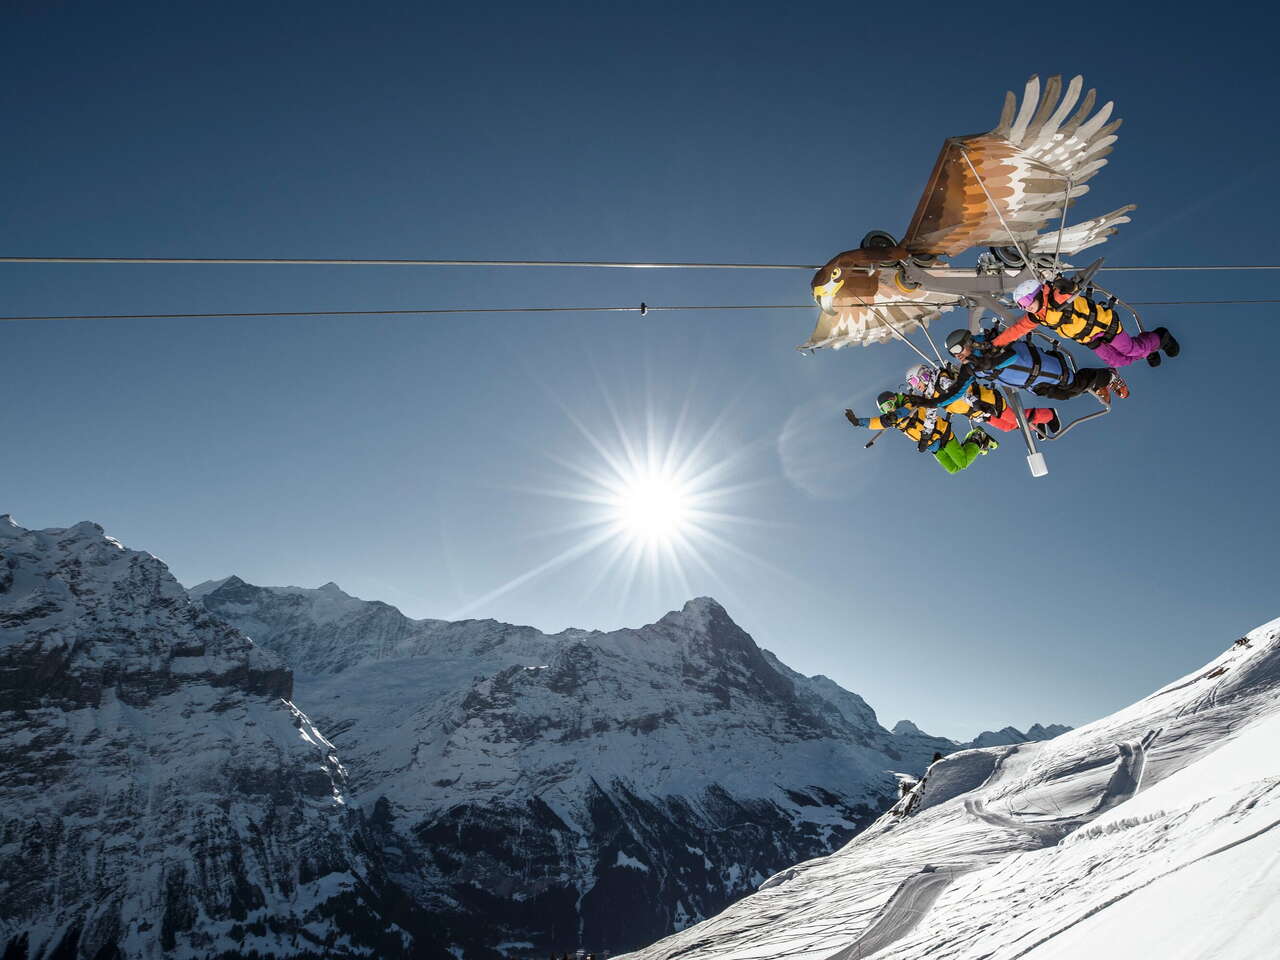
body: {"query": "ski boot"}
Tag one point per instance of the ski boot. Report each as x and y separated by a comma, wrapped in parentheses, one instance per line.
(986, 443)
(1168, 344)
(1118, 385)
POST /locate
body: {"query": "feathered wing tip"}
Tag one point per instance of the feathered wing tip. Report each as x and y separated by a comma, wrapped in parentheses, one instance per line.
(1044, 129)
(1081, 236)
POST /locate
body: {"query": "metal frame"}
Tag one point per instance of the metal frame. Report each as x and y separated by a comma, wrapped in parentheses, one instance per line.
(980, 290)
(1137, 320)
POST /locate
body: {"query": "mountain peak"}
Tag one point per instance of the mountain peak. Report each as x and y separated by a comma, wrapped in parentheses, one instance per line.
(903, 727)
(703, 606)
(84, 530)
(114, 687)
(701, 610)
(706, 619)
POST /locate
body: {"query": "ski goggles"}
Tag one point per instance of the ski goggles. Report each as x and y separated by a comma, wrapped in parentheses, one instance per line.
(889, 405)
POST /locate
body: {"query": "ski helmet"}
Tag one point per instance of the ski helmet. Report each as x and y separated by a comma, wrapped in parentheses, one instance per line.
(957, 340)
(887, 401)
(1024, 294)
(920, 378)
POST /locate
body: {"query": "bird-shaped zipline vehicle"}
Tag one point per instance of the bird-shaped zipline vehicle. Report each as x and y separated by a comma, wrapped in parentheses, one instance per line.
(1008, 191)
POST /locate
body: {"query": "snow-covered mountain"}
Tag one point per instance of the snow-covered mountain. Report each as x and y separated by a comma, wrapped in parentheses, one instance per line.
(161, 796)
(988, 738)
(1012, 735)
(597, 789)
(1150, 833)
(500, 791)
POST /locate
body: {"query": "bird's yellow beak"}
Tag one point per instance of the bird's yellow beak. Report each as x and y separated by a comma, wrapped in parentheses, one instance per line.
(825, 295)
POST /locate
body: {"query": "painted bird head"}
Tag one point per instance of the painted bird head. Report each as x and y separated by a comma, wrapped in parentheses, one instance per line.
(848, 278)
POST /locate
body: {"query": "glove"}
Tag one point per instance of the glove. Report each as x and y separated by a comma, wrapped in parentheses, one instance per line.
(852, 418)
(1065, 286)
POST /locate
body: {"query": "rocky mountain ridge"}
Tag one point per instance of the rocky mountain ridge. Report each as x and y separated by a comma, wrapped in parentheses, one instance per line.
(475, 786)
(669, 768)
(162, 796)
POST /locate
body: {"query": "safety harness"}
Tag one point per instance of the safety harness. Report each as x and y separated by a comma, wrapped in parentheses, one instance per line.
(1079, 319)
(1031, 362)
(924, 425)
(979, 402)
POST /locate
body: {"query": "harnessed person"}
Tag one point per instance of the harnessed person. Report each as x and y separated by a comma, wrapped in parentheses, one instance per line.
(1046, 373)
(930, 428)
(1058, 307)
(980, 403)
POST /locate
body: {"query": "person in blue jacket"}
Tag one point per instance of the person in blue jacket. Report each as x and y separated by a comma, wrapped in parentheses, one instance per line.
(1021, 365)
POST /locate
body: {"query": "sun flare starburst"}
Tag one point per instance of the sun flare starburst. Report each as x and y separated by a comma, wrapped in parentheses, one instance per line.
(651, 503)
(653, 506)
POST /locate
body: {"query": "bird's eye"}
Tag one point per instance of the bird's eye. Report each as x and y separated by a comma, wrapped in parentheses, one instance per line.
(835, 273)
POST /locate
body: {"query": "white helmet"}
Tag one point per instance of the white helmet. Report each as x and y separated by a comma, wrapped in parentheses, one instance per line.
(920, 378)
(1025, 292)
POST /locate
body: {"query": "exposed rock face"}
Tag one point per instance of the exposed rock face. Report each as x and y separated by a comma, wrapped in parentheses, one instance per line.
(161, 795)
(584, 789)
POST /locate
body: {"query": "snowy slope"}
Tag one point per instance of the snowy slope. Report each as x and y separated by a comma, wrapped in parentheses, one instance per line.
(161, 795)
(1151, 832)
(587, 788)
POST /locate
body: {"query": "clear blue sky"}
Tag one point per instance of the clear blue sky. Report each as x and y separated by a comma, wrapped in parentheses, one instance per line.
(409, 459)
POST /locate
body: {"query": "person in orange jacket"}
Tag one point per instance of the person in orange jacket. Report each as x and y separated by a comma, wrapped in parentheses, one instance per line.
(1061, 309)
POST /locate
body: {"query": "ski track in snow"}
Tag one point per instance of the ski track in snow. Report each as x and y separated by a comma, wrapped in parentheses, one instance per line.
(1142, 886)
(1152, 809)
(1125, 781)
(909, 903)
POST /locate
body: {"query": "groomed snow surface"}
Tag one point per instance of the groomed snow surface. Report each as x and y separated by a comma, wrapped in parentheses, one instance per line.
(1151, 833)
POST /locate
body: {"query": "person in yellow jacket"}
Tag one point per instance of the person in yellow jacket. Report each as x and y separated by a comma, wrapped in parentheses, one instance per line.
(981, 402)
(1061, 309)
(930, 429)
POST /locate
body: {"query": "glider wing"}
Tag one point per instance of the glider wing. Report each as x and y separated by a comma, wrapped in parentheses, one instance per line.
(1005, 186)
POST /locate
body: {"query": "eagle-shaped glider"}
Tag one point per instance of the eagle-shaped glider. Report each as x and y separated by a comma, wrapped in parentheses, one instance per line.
(998, 189)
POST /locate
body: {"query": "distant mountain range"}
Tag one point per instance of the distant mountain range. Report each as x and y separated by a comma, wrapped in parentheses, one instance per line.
(651, 776)
(351, 782)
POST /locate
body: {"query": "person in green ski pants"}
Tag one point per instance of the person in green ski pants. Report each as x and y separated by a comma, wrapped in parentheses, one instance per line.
(930, 429)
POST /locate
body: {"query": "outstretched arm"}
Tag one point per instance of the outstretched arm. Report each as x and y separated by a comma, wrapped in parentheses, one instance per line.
(874, 423)
(1015, 332)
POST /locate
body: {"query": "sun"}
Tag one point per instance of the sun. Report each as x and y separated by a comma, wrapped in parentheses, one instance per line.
(652, 503)
(654, 506)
